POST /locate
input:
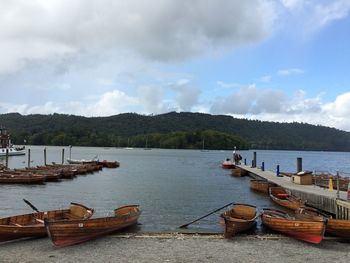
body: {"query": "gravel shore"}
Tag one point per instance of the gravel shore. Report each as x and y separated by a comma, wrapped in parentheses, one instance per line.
(178, 248)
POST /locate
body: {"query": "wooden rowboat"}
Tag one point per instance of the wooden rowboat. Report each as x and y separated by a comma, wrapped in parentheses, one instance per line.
(109, 164)
(8, 178)
(66, 233)
(239, 218)
(336, 227)
(280, 196)
(32, 225)
(261, 185)
(308, 230)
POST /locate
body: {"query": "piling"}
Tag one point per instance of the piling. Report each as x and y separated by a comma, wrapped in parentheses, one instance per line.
(263, 166)
(45, 156)
(28, 158)
(299, 164)
(7, 158)
(278, 170)
(245, 161)
(254, 159)
(63, 156)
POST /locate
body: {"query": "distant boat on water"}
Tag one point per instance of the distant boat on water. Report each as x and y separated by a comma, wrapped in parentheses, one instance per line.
(203, 148)
(6, 147)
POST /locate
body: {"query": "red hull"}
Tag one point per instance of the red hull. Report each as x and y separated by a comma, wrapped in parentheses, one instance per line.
(227, 165)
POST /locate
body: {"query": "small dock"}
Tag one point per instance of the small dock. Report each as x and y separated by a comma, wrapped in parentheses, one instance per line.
(313, 195)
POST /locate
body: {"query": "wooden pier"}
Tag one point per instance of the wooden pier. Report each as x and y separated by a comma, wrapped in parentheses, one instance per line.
(313, 195)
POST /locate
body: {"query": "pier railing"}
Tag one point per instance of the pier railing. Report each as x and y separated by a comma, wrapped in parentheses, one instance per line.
(343, 209)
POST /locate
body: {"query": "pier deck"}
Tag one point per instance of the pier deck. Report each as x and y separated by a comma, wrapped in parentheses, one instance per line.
(316, 196)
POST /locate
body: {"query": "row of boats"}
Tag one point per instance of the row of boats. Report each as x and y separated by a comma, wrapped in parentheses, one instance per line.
(69, 226)
(307, 224)
(51, 173)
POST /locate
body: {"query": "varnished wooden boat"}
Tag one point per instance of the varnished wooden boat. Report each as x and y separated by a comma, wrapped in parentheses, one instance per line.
(239, 218)
(336, 227)
(308, 230)
(109, 164)
(32, 225)
(280, 196)
(261, 185)
(66, 233)
(238, 172)
(8, 178)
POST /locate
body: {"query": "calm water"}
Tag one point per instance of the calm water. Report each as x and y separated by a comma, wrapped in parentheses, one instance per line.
(173, 187)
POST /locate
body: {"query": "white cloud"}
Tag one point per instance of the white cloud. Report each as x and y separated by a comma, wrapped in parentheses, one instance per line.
(266, 78)
(335, 10)
(290, 71)
(161, 30)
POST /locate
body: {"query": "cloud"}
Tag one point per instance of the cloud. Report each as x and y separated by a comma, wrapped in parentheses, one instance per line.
(266, 78)
(290, 71)
(186, 94)
(160, 30)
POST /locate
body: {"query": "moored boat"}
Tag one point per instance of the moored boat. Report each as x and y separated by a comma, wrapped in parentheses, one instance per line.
(261, 185)
(228, 164)
(32, 225)
(6, 147)
(82, 161)
(308, 230)
(239, 218)
(8, 178)
(336, 227)
(110, 164)
(66, 233)
(282, 197)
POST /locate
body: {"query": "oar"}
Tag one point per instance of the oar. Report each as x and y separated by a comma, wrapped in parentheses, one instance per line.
(31, 205)
(186, 225)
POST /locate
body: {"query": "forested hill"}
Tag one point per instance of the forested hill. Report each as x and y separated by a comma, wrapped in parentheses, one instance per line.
(177, 128)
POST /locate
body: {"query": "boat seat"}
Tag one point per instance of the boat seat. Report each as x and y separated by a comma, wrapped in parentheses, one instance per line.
(70, 216)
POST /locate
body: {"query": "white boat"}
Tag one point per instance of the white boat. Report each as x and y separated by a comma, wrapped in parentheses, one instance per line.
(82, 161)
(6, 147)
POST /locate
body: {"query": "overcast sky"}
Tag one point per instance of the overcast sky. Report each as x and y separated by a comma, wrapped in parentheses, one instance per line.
(276, 60)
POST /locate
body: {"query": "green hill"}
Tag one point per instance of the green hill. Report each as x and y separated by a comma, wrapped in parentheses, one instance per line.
(172, 130)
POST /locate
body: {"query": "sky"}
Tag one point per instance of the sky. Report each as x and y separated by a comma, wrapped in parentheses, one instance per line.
(273, 60)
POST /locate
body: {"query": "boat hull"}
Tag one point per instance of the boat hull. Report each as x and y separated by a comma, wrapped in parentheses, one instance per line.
(280, 196)
(66, 233)
(305, 230)
(11, 152)
(261, 185)
(32, 225)
(228, 165)
(338, 227)
(240, 218)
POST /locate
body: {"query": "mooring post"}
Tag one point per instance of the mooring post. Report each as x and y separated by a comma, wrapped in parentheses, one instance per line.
(254, 154)
(45, 156)
(252, 164)
(245, 161)
(299, 164)
(263, 166)
(62, 155)
(7, 158)
(278, 170)
(28, 158)
(338, 194)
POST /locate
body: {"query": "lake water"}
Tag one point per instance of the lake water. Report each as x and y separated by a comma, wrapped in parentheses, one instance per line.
(173, 187)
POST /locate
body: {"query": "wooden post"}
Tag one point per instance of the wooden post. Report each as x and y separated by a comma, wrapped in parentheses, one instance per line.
(7, 158)
(299, 164)
(28, 158)
(254, 154)
(45, 156)
(338, 194)
(63, 156)
(245, 161)
(263, 166)
(278, 170)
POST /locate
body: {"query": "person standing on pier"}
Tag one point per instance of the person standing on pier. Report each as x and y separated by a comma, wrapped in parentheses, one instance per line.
(236, 157)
